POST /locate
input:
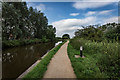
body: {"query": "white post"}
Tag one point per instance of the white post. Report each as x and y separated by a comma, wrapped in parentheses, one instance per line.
(81, 48)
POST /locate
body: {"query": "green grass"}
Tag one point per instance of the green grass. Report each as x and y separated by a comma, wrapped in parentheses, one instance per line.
(84, 67)
(38, 71)
(101, 59)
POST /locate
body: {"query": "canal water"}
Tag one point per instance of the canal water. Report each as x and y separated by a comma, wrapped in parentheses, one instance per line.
(18, 59)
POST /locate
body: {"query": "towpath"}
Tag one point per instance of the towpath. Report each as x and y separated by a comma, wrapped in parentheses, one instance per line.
(60, 65)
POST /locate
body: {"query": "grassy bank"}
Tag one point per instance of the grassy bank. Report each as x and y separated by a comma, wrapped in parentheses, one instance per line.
(38, 71)
(15, 43)
(101, 59)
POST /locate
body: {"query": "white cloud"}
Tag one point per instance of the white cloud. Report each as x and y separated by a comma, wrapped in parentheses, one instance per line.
(84, 4)
(71, 25)
(90, 13)
(111, 20)
(74, 14)
(40, 7)
(105, 12)
(98, 12)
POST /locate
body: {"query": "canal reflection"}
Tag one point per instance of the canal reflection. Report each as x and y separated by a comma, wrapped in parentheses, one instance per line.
(16, 60)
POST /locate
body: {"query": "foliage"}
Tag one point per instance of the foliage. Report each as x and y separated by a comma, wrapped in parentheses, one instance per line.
(15, 43)
(98, 33)
(51, 32)
(105, 55)
(58, 39)
(84, 67)
(112, 31)
(66, 36)
(38, 71)
(44, 39)
(21, 22)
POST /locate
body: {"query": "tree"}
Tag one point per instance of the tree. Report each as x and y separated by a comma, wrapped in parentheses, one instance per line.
(66, 36)
(112, 31)
(51, 32)
(21, 22)
(99, 32)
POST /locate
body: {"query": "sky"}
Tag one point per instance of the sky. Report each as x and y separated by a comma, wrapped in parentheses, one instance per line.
(67, 17)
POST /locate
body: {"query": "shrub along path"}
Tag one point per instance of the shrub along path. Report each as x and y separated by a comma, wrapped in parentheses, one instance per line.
(60, 65)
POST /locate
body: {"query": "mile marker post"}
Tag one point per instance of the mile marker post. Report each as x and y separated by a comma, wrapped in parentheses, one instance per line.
(81, 48)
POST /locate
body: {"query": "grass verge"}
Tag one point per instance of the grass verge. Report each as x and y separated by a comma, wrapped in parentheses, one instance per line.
(101, 59)
(84, 67)
(38, 71)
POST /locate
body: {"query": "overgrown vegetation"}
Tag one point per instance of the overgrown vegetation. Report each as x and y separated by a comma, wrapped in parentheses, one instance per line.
(110, 31)
(101, 58)
(22, 23)
(101, 50)
(38, 71)
(15, 43)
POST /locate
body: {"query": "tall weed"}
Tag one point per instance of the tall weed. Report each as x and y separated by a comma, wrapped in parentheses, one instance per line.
(107, 54)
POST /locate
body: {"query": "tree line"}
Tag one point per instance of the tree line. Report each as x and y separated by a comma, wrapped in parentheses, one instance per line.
(20, 22)
(109, 31)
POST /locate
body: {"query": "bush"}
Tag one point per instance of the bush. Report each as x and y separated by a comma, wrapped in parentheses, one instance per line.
(84, 67)
(14, 43)
(44, 39)
(106, 55)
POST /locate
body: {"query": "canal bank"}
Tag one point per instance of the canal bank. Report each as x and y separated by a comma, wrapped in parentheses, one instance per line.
(39, 70)
(17, 60)
(38, 61)
(16, 43)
